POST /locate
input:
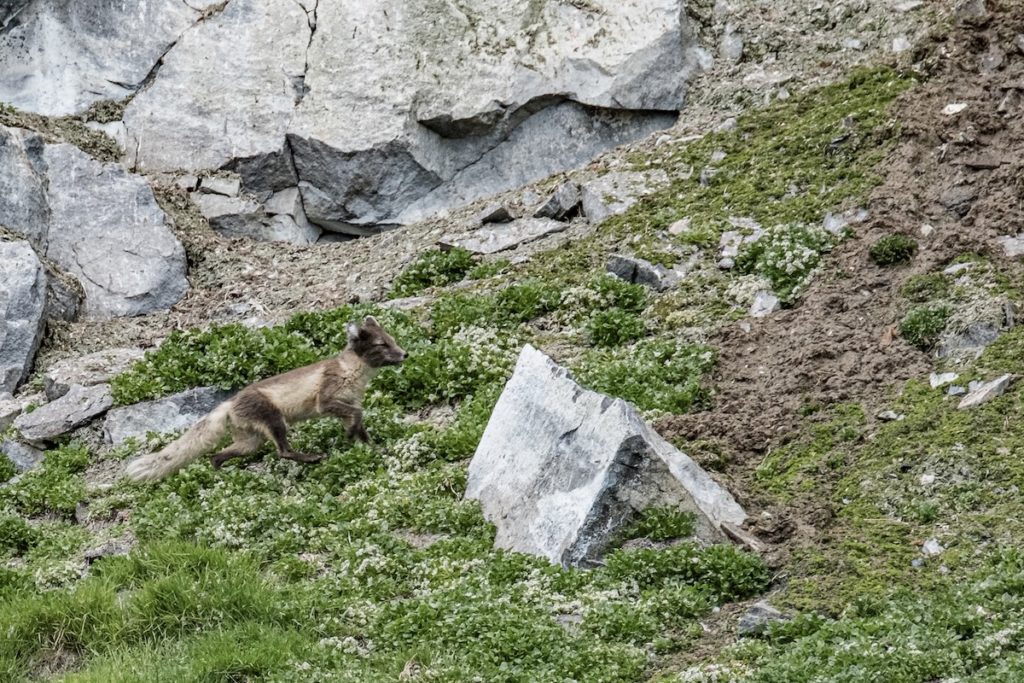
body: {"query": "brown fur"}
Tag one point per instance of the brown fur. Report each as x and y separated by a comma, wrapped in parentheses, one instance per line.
(263, 411)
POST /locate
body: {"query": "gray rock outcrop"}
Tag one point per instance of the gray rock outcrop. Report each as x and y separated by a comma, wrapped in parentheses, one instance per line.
(72, 410)
(561, 469)
(107, 230)
(613, 193)
(382, 113)
(61, 57)
(643, 272)
(24, 458)
(96, 222)
(163, 416)
(22, 308)
(984, 392)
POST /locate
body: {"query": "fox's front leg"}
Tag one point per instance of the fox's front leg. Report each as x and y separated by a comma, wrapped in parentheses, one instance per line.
(351, 415)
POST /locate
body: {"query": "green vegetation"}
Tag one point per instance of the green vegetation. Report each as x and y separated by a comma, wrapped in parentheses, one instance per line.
(786, 255)
(922, 326)
(614, 327)
(921, 289)
(662, 524)
(893, 250)
(654, 374)
(433, 269)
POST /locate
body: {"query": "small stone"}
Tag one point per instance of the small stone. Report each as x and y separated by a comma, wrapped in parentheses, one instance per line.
(853, 44)
(765, 303)
(187, 182)
(917, 563)
(706, 175)
(9, 409)
(927, 479)
(954, 108)
(900, 44)
(927, 230)
(726, 263)
(1012, 246)
(931, 547)
(493, 213)
(562, 205)
(229, 187)
(730, 48)
(971, 11)
(112, 548)
(72, 410)
(909, 6)
(1019, 43)
(955, 390)
(642, 272)
(758, 618)
(985, 392)
(889, 416)
(717, 156)
(937, 380)
(958, 268)
(992, 60)
(23, 457)
(679, 227)
(727, 125)
(782, 94)
(730, 243)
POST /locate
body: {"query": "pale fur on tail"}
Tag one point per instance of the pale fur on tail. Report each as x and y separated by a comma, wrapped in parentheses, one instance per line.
(202, 436)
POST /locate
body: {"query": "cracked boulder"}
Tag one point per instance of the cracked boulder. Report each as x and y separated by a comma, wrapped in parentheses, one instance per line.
(504, 236)
(24, 208)
(560, 469)
(107, 230)
(22, 311)
(386, 113)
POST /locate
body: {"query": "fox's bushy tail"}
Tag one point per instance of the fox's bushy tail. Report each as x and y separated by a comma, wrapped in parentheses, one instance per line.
(202, 436)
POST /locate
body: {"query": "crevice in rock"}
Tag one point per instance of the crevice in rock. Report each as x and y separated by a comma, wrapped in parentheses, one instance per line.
(299, 82)
(8, 15)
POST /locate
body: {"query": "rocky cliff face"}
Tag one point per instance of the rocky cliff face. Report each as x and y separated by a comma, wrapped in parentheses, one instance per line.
(379, 113)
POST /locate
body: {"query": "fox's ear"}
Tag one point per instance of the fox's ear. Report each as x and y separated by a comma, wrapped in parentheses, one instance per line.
(371, 322)
(353, 331)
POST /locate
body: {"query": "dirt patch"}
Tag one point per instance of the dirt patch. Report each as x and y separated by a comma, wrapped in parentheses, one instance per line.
(955, 183)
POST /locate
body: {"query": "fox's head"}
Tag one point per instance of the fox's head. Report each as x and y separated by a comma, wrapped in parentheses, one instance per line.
(376, 347)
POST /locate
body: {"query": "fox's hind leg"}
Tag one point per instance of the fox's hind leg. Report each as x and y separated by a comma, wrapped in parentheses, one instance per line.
(259, 414)
(245, 442)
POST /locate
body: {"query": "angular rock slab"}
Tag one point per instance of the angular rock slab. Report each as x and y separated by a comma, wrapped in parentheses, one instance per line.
(489, 240)
(108, 231)
(24, 208)
(985, 392)
(72, 410)
(561, 469)
(613, 193)
(24, 458)
(93, 368)
(162, 416)
(22, 308)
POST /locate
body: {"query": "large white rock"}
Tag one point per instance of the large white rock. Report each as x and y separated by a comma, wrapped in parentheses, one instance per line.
(58, 58)
(107, 230)
(385, 112)
(22, 307)
(561, 469)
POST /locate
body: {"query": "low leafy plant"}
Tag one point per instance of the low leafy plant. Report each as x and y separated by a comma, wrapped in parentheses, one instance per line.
(434, 268)
(921, 289)
(922, 326)
(786, 255)
(654, 374)
(892, 250)
(662, 524)
(614, 327)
